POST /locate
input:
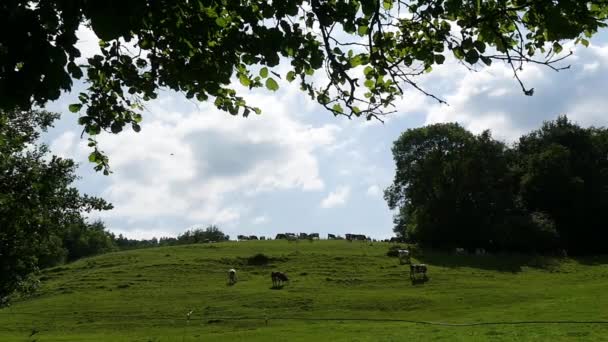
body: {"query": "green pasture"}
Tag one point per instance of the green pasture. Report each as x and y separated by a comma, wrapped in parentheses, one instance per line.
(339, 291)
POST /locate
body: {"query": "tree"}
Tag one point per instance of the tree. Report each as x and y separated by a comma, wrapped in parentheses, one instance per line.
(37, 201)
(82, 239)
(442, 183)
(565, 174)
(199, 235)
(370, 50)
(548, 191)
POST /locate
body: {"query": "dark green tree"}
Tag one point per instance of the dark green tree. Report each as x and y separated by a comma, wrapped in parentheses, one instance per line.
(370, 50)
(199, 235)
(37, 201)
(565, 174)
(548, 192)
(82, 239)
(451, 187)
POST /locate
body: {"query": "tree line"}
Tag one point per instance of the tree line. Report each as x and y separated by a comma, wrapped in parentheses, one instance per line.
(547, 192)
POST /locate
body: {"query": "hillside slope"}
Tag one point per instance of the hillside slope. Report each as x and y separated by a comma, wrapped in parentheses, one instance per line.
(144, 295)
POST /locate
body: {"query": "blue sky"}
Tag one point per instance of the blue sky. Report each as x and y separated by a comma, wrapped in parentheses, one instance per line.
(296, 168)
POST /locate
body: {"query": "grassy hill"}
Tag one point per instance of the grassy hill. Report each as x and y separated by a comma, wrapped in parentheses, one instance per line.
(340, 291)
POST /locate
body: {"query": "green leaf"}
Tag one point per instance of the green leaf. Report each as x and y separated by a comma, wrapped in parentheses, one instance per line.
(472, 57)
(337, 108)
(557, 48)
(93, 157)
(291, 76)
(244, 80)
(75, 107)
(116, 127)
(480, 46)
(264, 72)
(257, 110)
(362, 30)
(439, 59)
(585, 42)
(221, 22)
(271, 84)
(458, 53)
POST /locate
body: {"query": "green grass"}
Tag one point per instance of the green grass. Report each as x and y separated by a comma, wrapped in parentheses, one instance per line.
(144, 295)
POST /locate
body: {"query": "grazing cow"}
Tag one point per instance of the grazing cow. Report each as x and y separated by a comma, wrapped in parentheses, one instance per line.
(280, 237)
(232, 276)
(278, 278)
(480, 251)
(291, 237)
(242, 237)
(416, 269)
(253, 237)
(404, 256)
(460, 251)
(303, 236)
(360, 237)
(331, 236)
(262, 238)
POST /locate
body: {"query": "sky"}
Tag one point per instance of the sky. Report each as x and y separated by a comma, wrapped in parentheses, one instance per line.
(297, 168)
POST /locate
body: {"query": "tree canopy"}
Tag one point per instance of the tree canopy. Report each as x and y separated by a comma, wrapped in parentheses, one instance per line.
(370, 50)
(547, 192)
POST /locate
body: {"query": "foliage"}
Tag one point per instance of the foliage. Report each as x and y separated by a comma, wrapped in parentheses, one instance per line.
(455, 189)
(565, 174)
(123, 242)
(199, 235)
(82, 239)
(37, 200)
(370, 50)
(82, 301)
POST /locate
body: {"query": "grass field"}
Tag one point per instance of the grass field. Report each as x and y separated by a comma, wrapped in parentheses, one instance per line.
(339, 291)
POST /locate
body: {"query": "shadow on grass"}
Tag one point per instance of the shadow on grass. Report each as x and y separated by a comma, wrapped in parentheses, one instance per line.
(496, 262)
(591, 260)
(280, 287)
(419, 281)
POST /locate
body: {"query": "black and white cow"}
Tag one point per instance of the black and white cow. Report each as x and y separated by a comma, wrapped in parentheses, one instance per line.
(416, 269)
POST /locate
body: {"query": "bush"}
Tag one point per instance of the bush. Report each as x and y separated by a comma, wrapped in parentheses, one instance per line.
(199, 235)
(258, 260)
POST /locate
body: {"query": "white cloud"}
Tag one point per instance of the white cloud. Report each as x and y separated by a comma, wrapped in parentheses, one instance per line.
(374, 191)
(199, 166)
(64, 145)
(260, 219)
(336, 198)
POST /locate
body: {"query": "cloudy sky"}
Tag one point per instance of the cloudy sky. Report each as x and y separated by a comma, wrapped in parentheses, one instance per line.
(296, 168)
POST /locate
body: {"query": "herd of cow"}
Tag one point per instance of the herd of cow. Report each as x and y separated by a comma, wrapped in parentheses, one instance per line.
(279, 278)
(306, 236)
